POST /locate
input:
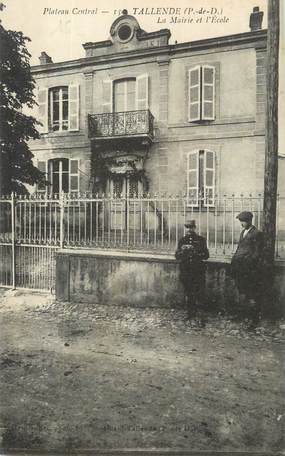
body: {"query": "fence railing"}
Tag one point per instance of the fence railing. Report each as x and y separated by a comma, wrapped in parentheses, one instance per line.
(144, 222)
(26, 260)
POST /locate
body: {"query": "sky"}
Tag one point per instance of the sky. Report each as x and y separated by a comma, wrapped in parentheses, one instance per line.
(61, 35)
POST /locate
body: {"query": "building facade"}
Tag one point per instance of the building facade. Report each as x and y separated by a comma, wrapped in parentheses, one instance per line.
(137, 114)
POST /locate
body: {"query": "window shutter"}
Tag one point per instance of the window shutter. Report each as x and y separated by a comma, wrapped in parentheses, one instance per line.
(50, 175)
(73, 107)
(209, 178)
(74, 175)
(42, 166)
(43, 110)
(193, 178)
(194, 95)
(107, 96)
(142, 92)
(208, 92)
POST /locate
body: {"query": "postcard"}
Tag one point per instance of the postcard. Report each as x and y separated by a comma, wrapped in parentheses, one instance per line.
(142, 227)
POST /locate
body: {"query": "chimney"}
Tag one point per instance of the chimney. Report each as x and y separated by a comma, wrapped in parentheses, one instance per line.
(255, 21)
(44, 58)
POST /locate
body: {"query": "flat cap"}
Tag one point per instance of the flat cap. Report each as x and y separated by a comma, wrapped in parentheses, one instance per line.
(245, 216)
(190, 223)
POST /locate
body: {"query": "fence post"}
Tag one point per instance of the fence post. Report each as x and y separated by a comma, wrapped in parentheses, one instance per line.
(61, 208)
(13, 227)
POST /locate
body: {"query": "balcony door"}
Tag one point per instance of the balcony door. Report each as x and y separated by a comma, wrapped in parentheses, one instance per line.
(124, 95)
(124, 100)
(125, 209)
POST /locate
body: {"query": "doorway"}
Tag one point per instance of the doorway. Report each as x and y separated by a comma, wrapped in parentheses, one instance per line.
(125, 210)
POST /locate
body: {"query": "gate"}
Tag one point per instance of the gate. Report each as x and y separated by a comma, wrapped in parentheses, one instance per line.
(29, 239)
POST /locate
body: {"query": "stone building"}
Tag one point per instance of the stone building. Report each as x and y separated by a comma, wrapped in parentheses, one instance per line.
(137, 113)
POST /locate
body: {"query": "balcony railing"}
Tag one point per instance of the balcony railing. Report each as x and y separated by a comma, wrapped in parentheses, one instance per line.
(120, 124)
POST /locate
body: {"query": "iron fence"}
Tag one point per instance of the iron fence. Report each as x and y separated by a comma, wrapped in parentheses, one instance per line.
(28, 242)
(145, 222)
(33, 228)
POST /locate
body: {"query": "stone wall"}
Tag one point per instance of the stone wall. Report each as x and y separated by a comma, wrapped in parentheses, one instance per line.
(140, 280)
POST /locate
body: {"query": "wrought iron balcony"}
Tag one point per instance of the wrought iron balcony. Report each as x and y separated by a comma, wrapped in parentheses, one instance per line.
(121, 124)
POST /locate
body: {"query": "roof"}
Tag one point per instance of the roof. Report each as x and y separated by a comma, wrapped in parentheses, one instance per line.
(256, 39)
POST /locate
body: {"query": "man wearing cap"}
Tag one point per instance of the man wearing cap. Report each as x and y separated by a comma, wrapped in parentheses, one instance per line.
(247, 262)
(191, 252)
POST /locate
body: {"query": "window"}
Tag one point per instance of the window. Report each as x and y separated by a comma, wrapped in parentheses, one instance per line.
(125, 32)
(62, 175)
(58, 175)
(120, 184)
(58, 108)
(128, 94)
(201, 178)
(201, 93)
(124, 95)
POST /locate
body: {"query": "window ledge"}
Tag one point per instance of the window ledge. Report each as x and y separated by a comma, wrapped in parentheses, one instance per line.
(203, 123)
(62, 133)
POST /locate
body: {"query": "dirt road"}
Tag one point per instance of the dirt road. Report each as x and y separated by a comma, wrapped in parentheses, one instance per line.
(75, 377)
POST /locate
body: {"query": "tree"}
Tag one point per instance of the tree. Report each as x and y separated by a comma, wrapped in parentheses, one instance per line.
(16, 128)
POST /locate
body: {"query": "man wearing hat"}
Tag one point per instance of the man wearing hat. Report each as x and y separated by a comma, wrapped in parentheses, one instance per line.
(247, 263)
(191, 252)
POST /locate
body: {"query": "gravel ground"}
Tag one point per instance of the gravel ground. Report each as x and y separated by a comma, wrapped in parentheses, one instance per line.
(77, 376)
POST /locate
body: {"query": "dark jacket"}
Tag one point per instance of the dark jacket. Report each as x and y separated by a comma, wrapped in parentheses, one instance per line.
(247, 263)
(249, 253)
(192, 258)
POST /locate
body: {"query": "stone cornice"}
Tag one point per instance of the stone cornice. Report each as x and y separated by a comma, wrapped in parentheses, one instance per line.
(141, 36)
(98, 44)
(256, 39)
